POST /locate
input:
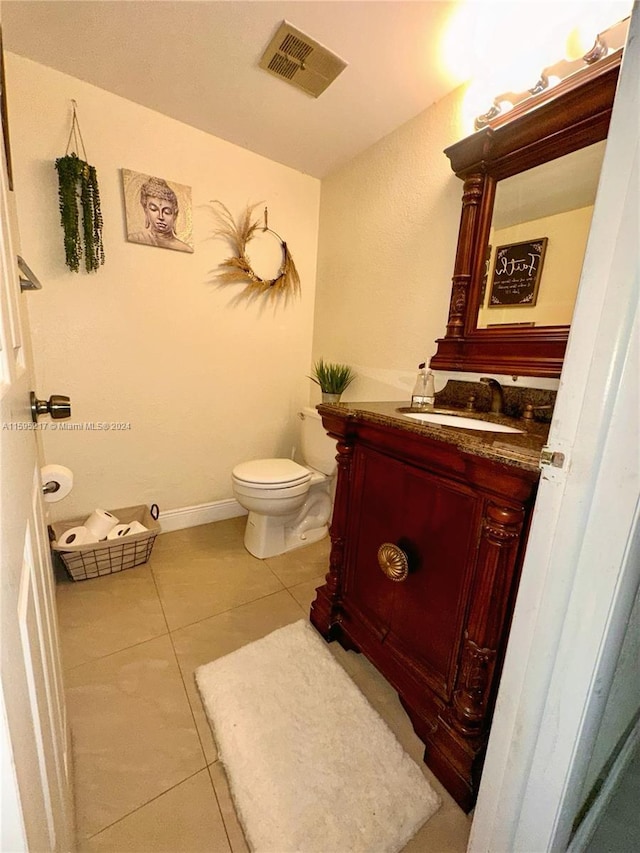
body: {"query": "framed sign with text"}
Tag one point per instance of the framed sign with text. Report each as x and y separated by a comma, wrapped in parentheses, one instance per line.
(516, 274)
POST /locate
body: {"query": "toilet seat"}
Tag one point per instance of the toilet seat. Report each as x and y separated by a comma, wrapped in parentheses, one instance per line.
(274, 493)
(271, 473)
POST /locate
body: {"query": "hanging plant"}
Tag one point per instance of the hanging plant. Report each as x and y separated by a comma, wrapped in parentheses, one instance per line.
(78, 181)
(237, 269)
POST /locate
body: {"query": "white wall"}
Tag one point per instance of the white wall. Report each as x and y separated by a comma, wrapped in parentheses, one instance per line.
(204, 379)
(388, 232)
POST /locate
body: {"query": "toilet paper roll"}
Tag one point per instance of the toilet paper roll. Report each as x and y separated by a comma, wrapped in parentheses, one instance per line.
(60, 477)
(77, 536)
(136, 527)
(101, 523)
(119, 531)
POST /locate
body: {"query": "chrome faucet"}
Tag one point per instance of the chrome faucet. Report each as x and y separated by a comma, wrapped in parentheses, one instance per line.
(497, 394)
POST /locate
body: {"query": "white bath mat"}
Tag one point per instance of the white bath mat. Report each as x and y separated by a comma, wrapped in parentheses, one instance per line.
(312, 767)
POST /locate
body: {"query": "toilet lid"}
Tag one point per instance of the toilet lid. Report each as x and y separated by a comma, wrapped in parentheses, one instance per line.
(272, 472)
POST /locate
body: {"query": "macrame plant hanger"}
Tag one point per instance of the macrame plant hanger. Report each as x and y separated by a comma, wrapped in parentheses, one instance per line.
(78, 180)
(237, 269)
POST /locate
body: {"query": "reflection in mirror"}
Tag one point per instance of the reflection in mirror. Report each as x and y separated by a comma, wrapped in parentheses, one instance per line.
(539, 229)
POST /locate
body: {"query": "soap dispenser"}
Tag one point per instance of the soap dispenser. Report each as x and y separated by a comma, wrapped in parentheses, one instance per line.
(423, 391)
(431, 388)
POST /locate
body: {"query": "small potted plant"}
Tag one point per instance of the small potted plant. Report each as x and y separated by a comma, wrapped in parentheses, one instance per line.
(332, 379)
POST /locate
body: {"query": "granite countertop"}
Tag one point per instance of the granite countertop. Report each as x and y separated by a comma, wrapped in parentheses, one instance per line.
(521, 450)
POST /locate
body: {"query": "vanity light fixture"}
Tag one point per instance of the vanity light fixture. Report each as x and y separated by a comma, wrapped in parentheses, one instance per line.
(606, 43)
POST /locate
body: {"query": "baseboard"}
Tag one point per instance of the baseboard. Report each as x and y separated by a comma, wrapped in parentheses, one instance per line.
(591, 820)
(192, 516)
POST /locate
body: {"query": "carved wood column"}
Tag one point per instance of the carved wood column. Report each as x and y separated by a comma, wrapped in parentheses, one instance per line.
(501, 529)
(325, 610)
(472, 197)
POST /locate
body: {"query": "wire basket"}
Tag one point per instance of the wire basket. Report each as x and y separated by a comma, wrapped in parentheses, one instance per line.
(107, 557)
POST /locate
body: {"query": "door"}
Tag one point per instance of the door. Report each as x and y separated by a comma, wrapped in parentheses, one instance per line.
(436, 523)
(440, 528)
(374, 519)
(36, 810)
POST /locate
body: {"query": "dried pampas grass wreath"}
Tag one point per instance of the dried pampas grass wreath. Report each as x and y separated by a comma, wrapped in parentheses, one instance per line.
(237, 269)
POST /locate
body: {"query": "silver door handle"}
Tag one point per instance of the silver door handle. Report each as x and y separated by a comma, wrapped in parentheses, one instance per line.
(58, 406)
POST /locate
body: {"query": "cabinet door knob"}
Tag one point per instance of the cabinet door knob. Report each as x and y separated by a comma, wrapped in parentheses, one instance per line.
(393, 562)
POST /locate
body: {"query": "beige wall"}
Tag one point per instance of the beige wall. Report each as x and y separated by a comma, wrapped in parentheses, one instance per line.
(204, 380)
(388, 232)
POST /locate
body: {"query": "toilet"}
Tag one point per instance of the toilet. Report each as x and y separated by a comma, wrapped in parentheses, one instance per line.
(289, 504)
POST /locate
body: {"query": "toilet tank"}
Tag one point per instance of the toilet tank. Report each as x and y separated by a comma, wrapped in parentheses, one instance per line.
(318, 450)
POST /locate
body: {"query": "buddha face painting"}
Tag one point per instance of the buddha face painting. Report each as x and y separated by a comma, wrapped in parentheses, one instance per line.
(161, 211)
(160, 205)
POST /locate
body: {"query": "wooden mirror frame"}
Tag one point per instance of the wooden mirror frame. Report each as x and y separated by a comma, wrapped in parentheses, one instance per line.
(574, 114)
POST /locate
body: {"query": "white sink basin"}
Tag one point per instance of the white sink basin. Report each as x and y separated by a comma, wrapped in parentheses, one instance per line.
(460, 422)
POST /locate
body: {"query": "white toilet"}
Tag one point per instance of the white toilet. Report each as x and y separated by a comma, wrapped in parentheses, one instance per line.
(289, 504)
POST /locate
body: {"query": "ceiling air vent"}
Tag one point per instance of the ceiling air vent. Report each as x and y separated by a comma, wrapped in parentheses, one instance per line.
(301, 61)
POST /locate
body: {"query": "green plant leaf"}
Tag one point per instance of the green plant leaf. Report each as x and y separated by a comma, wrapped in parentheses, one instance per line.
(78, 180)
(332, 377)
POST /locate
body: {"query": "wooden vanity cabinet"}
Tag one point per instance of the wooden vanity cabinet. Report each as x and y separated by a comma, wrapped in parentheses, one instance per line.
(439, 635)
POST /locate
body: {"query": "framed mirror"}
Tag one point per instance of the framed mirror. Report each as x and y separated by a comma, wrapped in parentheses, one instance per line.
(539, 228)
(530, 179)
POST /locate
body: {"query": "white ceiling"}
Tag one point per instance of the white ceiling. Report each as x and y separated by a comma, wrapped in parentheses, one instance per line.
(198, 62)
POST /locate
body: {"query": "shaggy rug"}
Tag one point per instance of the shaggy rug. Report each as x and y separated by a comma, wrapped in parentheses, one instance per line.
(312, 767)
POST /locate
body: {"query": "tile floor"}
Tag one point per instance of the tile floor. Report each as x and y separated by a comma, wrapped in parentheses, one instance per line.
(147, 775)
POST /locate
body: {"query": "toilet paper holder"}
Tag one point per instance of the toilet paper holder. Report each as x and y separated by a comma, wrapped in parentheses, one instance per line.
(56, 482)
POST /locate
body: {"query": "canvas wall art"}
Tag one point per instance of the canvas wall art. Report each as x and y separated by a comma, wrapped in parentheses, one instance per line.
(158, 212)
